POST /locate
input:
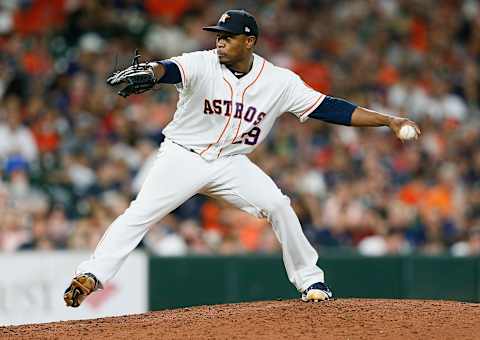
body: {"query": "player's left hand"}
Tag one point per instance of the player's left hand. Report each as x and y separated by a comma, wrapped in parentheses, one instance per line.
(397, 123)
(139, 77)
(122, 76)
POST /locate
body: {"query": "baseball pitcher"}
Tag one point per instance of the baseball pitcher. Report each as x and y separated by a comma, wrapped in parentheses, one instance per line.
(229, 99)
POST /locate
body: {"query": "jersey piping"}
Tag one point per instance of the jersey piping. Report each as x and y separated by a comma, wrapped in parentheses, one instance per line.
(228, 121)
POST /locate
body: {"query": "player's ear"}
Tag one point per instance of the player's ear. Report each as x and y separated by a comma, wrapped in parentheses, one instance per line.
(251, 41)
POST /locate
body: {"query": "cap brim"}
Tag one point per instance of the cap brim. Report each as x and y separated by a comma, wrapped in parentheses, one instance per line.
(219, 29)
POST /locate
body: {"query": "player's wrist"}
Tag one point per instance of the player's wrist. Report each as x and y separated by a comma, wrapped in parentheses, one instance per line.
(389, 120)
(158, 72)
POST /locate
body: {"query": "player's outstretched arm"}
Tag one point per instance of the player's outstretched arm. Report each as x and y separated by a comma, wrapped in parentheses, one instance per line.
(339, 111)
(365, 117)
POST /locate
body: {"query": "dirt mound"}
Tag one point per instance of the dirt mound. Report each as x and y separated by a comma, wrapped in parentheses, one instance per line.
(344, 319)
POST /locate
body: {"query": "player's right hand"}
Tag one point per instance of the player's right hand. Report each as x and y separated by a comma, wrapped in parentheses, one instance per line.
(397, 123)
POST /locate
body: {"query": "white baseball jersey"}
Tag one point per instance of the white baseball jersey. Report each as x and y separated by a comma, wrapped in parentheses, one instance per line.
(219, 114)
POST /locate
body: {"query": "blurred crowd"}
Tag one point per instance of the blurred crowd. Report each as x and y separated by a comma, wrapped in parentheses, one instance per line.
(73, 154)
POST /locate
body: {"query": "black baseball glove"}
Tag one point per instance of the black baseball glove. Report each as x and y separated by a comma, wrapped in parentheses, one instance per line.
(139, 78)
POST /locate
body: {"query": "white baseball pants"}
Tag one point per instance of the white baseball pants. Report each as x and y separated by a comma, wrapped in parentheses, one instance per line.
(176, 175)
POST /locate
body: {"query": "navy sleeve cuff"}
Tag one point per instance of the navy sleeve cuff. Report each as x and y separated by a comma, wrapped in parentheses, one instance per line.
(334, 110)
(172, 73)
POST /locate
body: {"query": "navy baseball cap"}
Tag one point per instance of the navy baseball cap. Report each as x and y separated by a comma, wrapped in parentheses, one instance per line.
(235, 21)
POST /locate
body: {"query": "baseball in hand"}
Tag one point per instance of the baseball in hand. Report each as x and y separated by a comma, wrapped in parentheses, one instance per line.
(407, 132)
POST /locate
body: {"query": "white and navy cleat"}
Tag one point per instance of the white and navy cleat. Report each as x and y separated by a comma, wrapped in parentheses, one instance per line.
(317, 292)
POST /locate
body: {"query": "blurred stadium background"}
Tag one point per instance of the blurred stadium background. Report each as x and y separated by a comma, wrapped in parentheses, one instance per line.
(73, 154)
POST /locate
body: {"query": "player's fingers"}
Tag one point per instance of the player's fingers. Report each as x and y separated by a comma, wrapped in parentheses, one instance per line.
(415, 126)
(117, 77)
(417, 129)
(111, 80)
(114, 81)
(126, 73)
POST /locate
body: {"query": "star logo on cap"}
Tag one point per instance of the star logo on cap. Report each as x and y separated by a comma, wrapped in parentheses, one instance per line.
(224, 17)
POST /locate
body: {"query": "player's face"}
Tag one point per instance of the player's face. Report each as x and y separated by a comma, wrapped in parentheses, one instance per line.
(232, 49)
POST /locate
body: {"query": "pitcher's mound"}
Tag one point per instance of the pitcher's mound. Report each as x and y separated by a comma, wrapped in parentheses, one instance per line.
(290, 319)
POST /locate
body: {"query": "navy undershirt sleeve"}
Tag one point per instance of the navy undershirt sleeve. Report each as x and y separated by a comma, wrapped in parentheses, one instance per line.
(172, 73)
(334, 110)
